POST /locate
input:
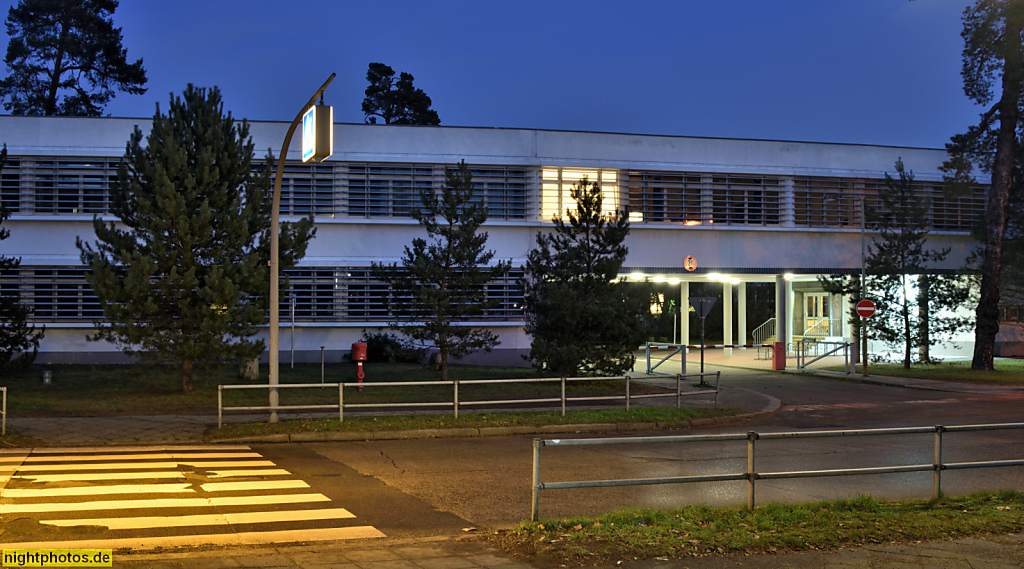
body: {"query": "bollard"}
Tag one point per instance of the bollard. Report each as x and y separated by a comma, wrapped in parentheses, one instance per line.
(47, 377)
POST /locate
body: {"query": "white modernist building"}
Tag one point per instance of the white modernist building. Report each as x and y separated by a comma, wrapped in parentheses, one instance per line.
(748, 211)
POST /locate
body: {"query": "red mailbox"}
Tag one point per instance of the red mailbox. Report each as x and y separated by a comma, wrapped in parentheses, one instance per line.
(359, 356)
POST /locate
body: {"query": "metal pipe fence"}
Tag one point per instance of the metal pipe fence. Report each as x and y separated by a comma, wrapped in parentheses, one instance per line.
(822, 350)
(751, 476)
(458, 402)
(3, 412)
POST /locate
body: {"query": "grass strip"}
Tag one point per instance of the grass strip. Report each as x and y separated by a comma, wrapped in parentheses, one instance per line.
(696, 531)
(1007, 371)
(666, 418)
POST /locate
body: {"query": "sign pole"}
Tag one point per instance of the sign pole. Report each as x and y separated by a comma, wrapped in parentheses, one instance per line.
(275, 236)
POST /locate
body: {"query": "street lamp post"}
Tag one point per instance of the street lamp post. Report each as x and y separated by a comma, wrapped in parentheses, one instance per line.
(275, 262)
(863, 290)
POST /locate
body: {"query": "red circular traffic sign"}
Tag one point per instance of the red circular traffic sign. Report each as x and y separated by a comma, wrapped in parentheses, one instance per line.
(865, 308)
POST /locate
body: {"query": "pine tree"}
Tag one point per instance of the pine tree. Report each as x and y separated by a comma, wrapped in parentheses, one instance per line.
(993, 69)
(65, 58)
(916, 308)
(395, 102)
(19, 342)
(444, 277)
(183, 275)
(582, 318)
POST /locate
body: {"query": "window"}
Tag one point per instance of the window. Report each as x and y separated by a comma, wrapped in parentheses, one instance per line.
(745, 200)
(826, 202)
(72, 185)
(308, 189)
(502, 190)
(387, 190)
(10, 186)
(665, 197)
(557, 183)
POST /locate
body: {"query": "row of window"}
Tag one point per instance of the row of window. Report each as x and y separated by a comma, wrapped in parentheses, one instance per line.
(61, 294)
(351, 190)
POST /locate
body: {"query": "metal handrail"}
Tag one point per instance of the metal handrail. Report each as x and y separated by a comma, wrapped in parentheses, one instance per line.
(752, 475)
(456, 402)
(760, 336)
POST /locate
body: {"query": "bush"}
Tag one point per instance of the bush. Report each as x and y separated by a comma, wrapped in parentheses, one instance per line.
(382, 347)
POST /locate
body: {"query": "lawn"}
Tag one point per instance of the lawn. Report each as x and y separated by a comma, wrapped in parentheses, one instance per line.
(699, 530)
(1009, 371)
(111, 390)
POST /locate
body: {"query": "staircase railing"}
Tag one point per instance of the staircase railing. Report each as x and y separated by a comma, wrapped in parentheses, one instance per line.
(761, 334)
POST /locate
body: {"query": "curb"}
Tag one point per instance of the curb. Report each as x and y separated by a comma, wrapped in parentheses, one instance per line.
(471, 432)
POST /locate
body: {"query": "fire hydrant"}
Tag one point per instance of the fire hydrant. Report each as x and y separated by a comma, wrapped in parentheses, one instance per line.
(359, 356)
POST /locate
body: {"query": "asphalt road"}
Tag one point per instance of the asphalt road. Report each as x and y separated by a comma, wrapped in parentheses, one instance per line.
(486, 482)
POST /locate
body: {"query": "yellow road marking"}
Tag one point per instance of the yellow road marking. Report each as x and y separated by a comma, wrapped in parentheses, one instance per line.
(254, 485)
(206, 519)
(250, 472)
(79, 450)
(142, 456)
(95, 490)
(138, 465)
(99, 505)
(100, 476)
(243, 538)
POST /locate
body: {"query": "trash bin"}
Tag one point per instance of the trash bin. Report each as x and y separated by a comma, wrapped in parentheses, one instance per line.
(778, 356)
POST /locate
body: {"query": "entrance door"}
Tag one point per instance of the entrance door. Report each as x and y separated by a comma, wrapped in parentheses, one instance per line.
(816, 314)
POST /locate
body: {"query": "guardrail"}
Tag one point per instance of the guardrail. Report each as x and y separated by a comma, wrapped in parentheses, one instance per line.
(752, 475)
(3, 412)
(456, 402)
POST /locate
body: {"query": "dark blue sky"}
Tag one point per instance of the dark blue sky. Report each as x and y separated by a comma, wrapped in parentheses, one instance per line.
(861, 71)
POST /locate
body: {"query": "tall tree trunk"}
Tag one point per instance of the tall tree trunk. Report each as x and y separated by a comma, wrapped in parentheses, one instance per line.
(908, 339)
(186, 375)
(923, 318)
(987, 314)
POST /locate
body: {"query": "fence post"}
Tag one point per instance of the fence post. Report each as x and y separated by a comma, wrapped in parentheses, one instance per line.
(648, 346)
(456, 398)
(627, 392)
(718, 378)
(3, 429)
(679, 395)
(341, 402)
(220, 406)
(563, 397)
(751, 474)
(535, 508)
(937, 473)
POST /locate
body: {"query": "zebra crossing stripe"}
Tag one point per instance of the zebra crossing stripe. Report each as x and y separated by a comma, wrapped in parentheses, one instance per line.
(138, 465)
(225, 539)
(256, 485)
(147, 475)
(95, 490)
(152, 522)
(154, 503)
(141, 456)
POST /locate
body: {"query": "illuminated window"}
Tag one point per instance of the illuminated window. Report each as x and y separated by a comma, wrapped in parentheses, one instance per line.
(556, 184)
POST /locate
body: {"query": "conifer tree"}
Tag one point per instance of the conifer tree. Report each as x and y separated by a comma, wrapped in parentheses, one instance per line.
(19, 341)
(395, 102)
(582, 318)
(442, 280)
(183, 275)
(66, 58)
(916, 308)
(993, 75)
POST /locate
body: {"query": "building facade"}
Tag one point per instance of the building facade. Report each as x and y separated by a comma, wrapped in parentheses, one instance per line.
(747, 211)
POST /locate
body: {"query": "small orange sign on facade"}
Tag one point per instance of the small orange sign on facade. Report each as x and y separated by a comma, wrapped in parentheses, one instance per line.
(689, 263)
